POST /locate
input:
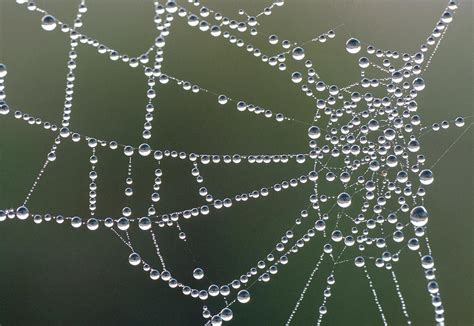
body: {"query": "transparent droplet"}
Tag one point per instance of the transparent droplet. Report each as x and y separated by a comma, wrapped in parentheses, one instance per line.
(48, 23)
(344, 200)
(76, 222)
(296, 77)
(243, 296)
(419, 216)
(123, 223)
(447, 17)
(3, 70)
(427, 262)
(226, 314)
(459, 122)
(144, 150)
(134, 259)
(222, 99)
(419, 84)
(298, 53)
(426, 177)
(323, 310)
(216, 320)
(144, 223)
(353, 45)
(92, 224)
(22, 213)
(198, 273)
(314, 132)
(51, 156)
(359, 261)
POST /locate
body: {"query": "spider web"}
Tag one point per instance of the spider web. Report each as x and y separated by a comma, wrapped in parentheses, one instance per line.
(364, 151)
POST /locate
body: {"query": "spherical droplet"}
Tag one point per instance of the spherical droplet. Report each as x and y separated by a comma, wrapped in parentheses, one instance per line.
(144, 223)
(419, 216)
(359, 261)
(446, 17)
(144, 150)
(222, 99)
(419, 84)
(92, 224)
(314, 132)
(171, 6)
(22, 213)
(298, 53)
(216, 320)
(296, 77)
(76, 222)
(134, 259)
(243, 296)
(51, 156)
(413, 244)
(459, 122)
(3, 70)
(323, 310)
(344, 200)
(353, 45)
(48, 23)
(426, 177)
(123, 223)
(198, 273)
(226, 314)
(427, 262)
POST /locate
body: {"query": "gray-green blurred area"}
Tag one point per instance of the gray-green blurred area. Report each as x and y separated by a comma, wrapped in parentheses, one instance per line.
(52, 274)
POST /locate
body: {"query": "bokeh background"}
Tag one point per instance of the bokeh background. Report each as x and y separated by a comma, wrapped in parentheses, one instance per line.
(54, 275)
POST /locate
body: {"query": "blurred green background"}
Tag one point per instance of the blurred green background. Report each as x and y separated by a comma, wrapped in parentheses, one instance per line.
(54, 275)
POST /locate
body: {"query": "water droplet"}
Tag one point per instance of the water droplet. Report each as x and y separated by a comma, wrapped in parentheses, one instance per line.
(419, 216)
(344, 200)
(427, 262)
(226, 314)
(314, 132)
(359, 261)
(296, 77)
(76, 222)
(3, 70)
(22, 213)
(243, 296)
(134, 259)
(353, 45)
(298, 53)
(419, 84)
(144, 223)
(48, 23)
(198, 273)
(459, 122)
(426, 177)
(144, 150)
(222, 99)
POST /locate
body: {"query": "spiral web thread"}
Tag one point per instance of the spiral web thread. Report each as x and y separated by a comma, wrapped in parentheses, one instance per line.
(378, 137)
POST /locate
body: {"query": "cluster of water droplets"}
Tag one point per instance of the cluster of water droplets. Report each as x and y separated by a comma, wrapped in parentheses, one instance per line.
(368, 145)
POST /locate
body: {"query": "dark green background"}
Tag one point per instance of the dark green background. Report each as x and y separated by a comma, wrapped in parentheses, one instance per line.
(53, 275)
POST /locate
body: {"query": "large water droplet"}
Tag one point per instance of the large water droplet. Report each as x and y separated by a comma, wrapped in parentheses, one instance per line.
(22, 213)
(198, 273)
(243, 296)
(419, 216)
(344, 200)
(353, 45)
(298, 53)
(134, 259)
(48, 23)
